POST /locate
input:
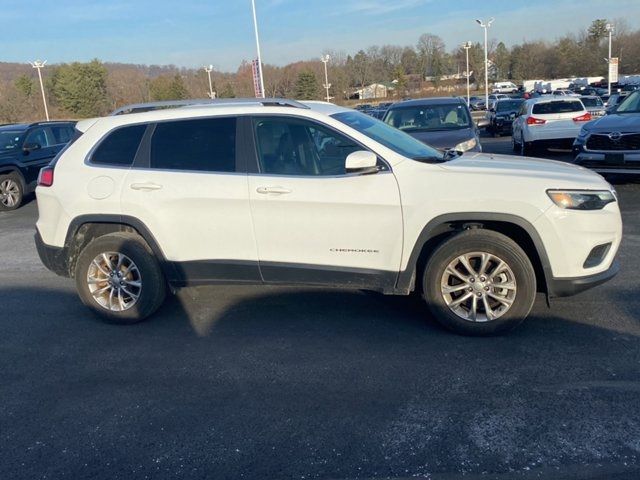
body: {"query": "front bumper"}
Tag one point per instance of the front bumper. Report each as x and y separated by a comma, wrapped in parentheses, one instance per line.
(607, 162)
(54, 258)
(565, 287)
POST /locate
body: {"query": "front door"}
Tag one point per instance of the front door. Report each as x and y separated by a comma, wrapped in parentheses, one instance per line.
(314, 222)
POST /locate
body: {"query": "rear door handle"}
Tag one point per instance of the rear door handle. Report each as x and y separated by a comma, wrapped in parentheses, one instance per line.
(276, 190)
(145, 186)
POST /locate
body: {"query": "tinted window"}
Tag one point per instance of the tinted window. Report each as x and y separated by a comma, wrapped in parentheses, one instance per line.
(62, 133)
(298, 147)
(631, 104)
(562, 106)
(207, 144)
(119, 147)
(429, 117)
(38, 136)
(10, 139)
(591, 102)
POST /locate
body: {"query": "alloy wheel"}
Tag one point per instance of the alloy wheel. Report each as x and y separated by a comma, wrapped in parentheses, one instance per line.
(478, 286)
(114, 281)
(9, 193)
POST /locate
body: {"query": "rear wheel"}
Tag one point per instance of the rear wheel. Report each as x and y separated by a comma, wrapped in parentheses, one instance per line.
(515, 145)
(11, 191)
(118, 277)
(479, 282)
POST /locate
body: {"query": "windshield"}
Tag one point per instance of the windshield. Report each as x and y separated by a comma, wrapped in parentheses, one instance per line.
(390, 137)
(9, 139)
(591, 102)
(631, 104)
(427, 118)
(506, 105)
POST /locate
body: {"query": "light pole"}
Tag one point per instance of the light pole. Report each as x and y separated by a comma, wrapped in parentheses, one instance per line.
(209, 69)
(255, 26)
(325, 59)
(467, 46)
(609, 27)
(39, 65)
(486, 59)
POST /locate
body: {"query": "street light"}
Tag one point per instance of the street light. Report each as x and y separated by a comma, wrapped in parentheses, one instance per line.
(209, 69)
(39, 65)
(255, 26)
(486, 59)
(609, 27)
(467, 46)
(325, 59)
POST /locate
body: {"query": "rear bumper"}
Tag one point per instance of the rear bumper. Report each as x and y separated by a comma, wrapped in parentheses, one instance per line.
(54, 258)
(565, 287)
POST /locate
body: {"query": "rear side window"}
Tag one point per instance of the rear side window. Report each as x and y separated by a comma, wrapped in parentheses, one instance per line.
(119, 147)
(62, 133)
(203, 145)
(562, 106)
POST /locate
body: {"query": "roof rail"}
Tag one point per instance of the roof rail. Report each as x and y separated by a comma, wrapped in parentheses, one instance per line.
(147, 107)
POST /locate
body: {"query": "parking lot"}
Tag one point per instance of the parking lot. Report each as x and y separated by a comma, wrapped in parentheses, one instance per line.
(266, 382)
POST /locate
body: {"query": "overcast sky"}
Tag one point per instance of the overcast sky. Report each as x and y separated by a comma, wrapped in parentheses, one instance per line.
(197, 32)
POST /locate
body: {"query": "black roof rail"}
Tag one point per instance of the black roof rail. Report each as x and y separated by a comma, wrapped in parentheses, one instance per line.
(150, 106)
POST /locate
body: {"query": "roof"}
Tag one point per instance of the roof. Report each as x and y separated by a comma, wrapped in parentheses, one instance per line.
(428, 101)
(551, 98)
(24, 126)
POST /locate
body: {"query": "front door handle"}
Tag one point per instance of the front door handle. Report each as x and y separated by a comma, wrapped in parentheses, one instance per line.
(276, 190)
(145, 186)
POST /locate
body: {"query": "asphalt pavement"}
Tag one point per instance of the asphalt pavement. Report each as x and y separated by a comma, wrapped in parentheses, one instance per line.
(265, 382)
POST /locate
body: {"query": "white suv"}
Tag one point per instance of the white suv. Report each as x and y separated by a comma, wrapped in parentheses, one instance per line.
(548, 121)
(280, 192)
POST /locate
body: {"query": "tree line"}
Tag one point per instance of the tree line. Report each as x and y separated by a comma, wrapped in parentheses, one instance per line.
(78, 90)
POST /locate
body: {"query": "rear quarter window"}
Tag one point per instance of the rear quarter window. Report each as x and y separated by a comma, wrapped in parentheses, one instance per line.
(119, 147)
(562, 106)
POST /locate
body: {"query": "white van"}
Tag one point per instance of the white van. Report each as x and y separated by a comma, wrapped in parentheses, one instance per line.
(504, 87)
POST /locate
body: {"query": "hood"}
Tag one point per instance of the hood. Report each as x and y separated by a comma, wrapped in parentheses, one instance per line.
(511, 165)
(616, 122)
(443, 139)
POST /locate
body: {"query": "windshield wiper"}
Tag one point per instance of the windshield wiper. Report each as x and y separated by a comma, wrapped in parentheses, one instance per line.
(430, 159)
(450, 154)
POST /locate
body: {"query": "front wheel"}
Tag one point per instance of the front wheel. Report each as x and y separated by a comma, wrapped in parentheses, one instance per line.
(479, 282)
(11, 192)
(118, 277)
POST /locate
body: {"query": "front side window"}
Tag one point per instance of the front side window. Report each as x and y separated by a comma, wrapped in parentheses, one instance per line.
(429, 117)
(119, 147)
(38, 136)
(288, 146)
(207, 145)
(392, 138)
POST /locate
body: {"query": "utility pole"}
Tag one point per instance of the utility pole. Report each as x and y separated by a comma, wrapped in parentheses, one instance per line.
(467, 46)
(209, 69)
(255, 27)
(486, 59)
(38, 65)
(610, 29)
(325, 59)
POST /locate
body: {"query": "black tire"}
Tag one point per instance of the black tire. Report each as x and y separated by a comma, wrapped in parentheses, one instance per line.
(17, 192)
(153, 285)
(479, 240)
(515, 145)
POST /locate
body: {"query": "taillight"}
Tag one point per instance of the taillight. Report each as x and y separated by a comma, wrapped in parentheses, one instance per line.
(583, 118)
(45, 179)
(535, 121)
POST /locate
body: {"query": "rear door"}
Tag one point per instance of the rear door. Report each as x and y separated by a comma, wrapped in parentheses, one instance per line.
(188, 187)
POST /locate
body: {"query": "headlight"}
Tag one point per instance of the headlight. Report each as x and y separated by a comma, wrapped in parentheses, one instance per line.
(583, 133)
(464, 146)
(581, 199)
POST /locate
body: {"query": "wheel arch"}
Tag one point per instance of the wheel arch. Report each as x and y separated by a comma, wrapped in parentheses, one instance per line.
(443, 226)
(6, 169)
(86, 228)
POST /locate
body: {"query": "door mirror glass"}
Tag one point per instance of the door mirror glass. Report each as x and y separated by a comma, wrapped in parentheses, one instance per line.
(361, 162)
(29, 147)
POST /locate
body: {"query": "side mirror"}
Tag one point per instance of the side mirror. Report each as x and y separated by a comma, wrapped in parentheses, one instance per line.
(362, 162)
(30, 147)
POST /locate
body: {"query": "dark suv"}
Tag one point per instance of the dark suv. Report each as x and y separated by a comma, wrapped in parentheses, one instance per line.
(24, 150)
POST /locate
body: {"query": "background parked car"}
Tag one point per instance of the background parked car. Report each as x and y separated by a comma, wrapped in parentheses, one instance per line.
(548, 121)
(504, 87)
(611, 144)
(594, 105)
(24, 150)
(443, 122)
(477, 103)
(502, 115)
(614, 100)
